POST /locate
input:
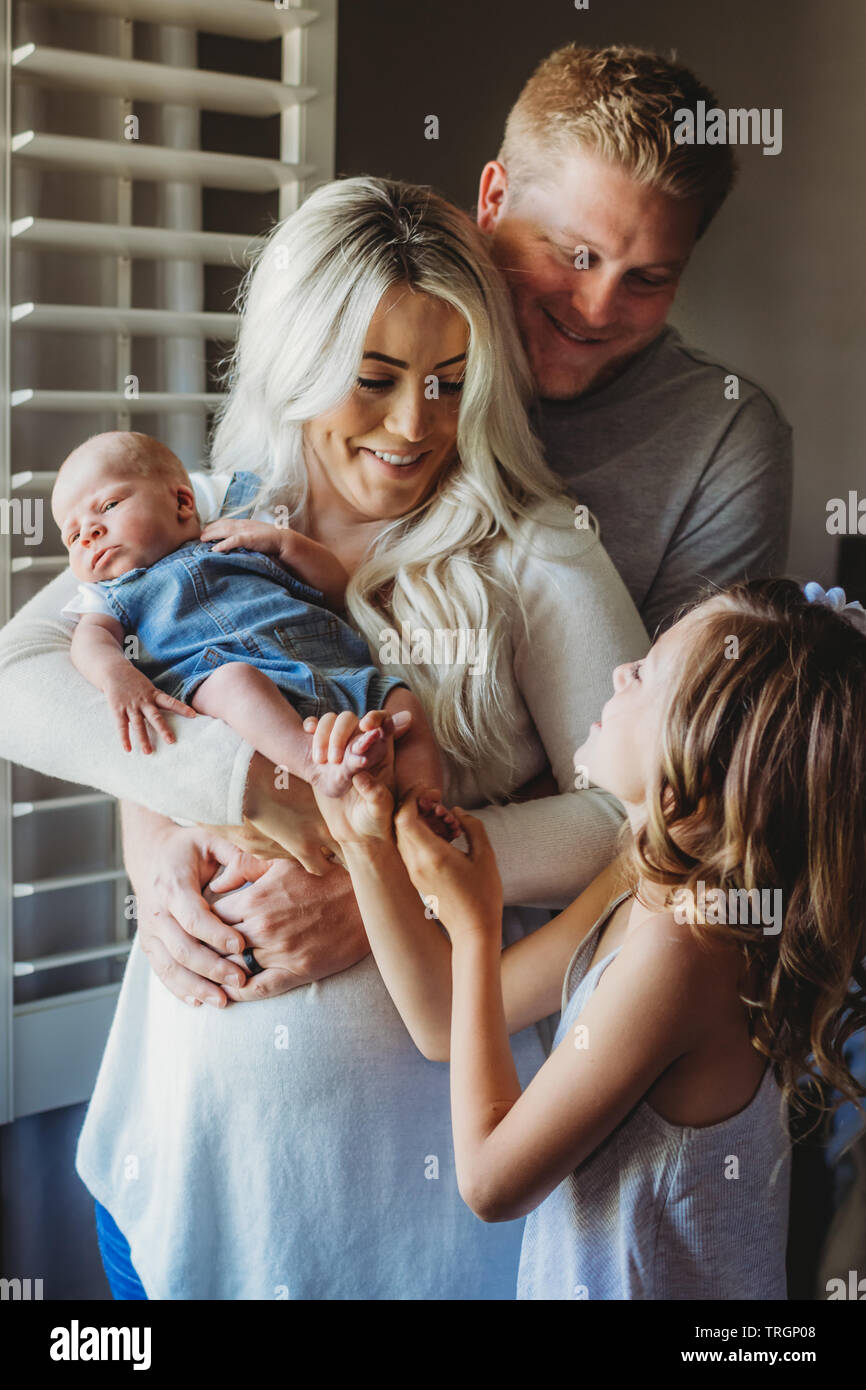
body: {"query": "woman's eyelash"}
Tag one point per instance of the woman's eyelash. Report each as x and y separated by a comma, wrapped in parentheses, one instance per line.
(449, 388)
(635, 670)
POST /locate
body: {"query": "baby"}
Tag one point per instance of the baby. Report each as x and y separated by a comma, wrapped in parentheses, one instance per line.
(240, 630)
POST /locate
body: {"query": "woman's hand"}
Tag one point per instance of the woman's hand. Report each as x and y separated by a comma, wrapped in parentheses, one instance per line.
(280, 823)
(302, 928)
(463, 890)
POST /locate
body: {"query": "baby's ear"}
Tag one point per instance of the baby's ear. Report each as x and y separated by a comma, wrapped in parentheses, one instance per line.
(185, 502)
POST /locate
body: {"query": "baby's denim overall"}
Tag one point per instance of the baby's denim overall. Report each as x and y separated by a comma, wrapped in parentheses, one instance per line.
(197, 608)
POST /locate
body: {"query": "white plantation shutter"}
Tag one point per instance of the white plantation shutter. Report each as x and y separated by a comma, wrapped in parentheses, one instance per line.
(106, 258)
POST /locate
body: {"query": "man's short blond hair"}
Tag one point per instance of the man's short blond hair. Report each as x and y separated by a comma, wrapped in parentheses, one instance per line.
(617, 102)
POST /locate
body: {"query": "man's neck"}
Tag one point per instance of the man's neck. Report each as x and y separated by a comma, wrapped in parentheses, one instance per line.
(607, 377)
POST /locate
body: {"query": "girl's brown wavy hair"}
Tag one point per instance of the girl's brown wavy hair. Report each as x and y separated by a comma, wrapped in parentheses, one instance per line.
(762, 785)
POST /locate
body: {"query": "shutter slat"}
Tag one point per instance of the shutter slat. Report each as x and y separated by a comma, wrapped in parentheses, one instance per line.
(114, 401)
(140, 81)
(40, 564)
(80, 957)
(138, 323)
(146, 243)
(240, 173)
(242, 19)
(51, 885)
(22, 480)
(60, 803)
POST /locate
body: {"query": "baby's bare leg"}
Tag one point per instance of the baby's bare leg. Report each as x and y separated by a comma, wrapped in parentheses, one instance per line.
(247, 700)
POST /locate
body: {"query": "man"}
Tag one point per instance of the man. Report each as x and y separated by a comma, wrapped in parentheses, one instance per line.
(593, 211)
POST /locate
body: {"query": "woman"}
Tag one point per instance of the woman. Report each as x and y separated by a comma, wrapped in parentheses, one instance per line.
(301, 1148)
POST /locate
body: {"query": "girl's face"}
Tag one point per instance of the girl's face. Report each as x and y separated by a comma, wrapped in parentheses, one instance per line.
(621, 752)
(384, 449)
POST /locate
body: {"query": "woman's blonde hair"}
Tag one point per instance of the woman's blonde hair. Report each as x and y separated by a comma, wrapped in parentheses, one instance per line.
(306, 306)
(761, 786)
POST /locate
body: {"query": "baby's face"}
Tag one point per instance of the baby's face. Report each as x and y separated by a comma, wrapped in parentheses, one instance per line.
(111, 521)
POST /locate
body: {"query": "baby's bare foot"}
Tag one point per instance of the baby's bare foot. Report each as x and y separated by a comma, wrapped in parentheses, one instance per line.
(439, 819)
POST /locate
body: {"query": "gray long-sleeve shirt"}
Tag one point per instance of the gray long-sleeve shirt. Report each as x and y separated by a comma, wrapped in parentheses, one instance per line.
(687, 485)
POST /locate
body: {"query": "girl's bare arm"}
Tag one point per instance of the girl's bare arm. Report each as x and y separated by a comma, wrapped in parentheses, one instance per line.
(512, 1149)
(414, 955)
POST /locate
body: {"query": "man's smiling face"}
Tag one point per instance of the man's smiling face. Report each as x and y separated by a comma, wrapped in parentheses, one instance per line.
(581, 326)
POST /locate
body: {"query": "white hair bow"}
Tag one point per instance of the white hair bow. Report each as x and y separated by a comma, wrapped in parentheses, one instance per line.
(853, 612)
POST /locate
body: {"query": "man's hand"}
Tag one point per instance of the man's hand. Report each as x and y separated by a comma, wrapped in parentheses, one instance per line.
(301, 927)
(183, 939)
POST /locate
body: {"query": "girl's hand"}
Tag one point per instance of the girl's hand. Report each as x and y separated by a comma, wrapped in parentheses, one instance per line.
(361, 818)
(364, 814)
(464, 890)
(249, 535)
(135, 702)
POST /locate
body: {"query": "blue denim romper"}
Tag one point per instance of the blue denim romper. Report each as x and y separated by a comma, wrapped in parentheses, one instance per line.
(197, 609)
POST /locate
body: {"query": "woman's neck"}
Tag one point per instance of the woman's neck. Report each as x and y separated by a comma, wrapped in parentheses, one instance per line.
(347, 537)
(334, 522)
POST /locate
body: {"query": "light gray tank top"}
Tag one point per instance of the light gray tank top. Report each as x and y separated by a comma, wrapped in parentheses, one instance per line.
(663, 1211)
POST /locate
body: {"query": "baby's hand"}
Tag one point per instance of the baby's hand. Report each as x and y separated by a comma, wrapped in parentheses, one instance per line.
(251, 535)
(135, 702)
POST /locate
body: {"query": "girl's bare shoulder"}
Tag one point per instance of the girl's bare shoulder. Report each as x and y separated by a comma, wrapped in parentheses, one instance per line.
(674, 960)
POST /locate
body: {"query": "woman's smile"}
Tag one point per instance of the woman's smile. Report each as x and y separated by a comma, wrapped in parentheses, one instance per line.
(395, 465)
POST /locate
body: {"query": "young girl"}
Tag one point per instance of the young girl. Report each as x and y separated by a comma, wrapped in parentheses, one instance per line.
(715, 963)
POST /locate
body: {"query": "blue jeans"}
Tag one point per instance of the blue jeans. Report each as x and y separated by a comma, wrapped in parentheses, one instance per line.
(113, 1247)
